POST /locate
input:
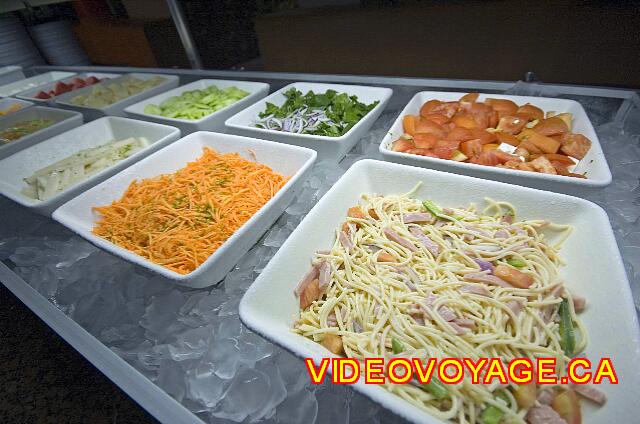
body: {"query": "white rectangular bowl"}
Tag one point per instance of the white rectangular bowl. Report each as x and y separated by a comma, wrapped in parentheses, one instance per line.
(287, 160)
(213, 122)
(9, 74)
(594, 269)
(19, 86)
(328, 148)
(64, 121)
(594, 163)
(8, 101)
(117, 108)
(30, 94)
(14, 169)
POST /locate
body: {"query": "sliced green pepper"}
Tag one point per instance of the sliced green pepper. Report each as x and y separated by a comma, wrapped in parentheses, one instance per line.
(436, 210)
(567, 334)
(516, 263)
(436, 388)
(491, 415)
(396, 345)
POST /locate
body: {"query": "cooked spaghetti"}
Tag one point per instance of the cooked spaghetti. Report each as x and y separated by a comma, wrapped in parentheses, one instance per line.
(178, 220)
(405, 278)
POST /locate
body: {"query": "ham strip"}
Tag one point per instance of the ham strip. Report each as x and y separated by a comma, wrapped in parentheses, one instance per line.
(306, 280)
(478, 277)
(473, 289)
(515, 306)
(393, 236)
(426, 241)
(409, 218)
(346, 240)
(589, 392)
(332, 321)
(465, 322)
(579, 302)
(325, 276)
(545, 397)
(458, 329)
(446, 313)
(544, 415)
(501, 234)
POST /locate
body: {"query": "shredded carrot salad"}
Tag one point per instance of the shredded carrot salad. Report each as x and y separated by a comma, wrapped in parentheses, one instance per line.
(178, 220)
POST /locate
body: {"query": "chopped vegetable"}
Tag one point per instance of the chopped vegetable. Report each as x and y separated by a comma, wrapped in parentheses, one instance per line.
(178, 220)
(59, 176)
(525, 395)
(21, 129)
(566, 404)
(62, 87)
(515, 262)
(108, 93)
(333, 342)
(494, 133)
(436, 210)
(513, 276)
(436, 388)
(10, 109)
(330, 114)
(567, 334)
(491, 415)
(196, 104)
(396, 345)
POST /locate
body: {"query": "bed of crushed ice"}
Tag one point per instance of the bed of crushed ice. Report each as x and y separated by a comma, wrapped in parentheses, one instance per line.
(191, 342)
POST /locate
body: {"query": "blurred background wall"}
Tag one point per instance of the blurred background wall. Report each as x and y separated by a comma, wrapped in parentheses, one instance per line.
(583, 42)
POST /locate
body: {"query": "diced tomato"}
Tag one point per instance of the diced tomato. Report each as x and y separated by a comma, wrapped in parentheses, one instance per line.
(551, 126)
(460, 134)
(471, 148)
(444, 148)
(464, 120)
(92, 80)
(42, 95)
(529, 146)
(507, 138)
(575, 145)
(422, 152)
(492, 158)
(429, 127)
(409, 124)
(511, 124)
(521, 151)
(438, 118)
(494, 118)
(490, 146)
(513, 276)
(484, 136)
(542, 164)
(402, 145)
(544, 143)
(504, 107)
(447, 108)
(429, 106)
(424, 140)
(531, 112)
(470, 97)
(559, 158)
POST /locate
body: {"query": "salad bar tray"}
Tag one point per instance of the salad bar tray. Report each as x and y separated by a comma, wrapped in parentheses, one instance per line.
(183, 353)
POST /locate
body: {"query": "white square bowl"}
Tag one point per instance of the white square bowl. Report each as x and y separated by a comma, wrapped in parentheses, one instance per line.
(328, 148)
(212, 122)
(290, 161)
(117, 108)
(33, 82)
(8, 101)
(64, 120)
(30, 94)
(594, 163)
(594, 269)
(14, 169)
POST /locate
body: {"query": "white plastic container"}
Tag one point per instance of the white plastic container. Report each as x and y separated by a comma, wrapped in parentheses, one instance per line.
(64, 120)
(117, 108)
(212, 122)
(593, 269)
(33, 82)
(15, 168)
(9, 101)
(30, 95)
(594, 163)
(328, 148)
(290, 161)
(9, 74)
